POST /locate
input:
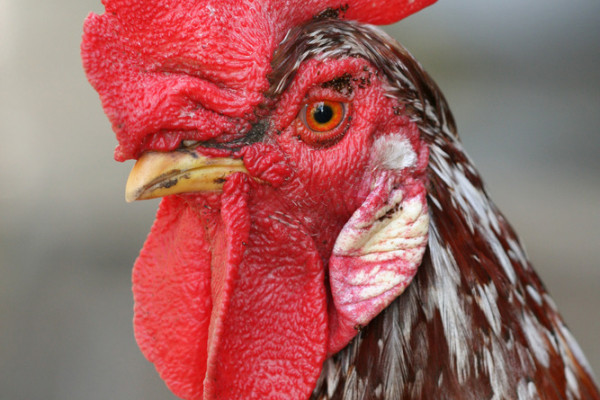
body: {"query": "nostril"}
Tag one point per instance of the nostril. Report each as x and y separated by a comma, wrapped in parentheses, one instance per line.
(189, 143)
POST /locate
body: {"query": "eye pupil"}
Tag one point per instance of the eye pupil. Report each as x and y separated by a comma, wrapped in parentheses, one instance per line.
(323, 113)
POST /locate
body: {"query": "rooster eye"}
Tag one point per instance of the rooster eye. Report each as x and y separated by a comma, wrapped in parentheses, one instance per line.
(322, 121)
(323, 116)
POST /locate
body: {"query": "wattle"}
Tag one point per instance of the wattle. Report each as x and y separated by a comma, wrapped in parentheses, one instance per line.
(214, 271)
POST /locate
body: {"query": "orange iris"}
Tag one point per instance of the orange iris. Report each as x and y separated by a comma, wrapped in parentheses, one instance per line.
(324, 116)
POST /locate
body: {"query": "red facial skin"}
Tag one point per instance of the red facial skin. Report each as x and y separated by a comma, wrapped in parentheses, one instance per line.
(231, 292)
(243, 305)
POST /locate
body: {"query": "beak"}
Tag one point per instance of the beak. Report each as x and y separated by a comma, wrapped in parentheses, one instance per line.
(160, 174)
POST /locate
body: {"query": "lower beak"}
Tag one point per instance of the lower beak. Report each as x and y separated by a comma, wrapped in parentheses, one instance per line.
(161, 174)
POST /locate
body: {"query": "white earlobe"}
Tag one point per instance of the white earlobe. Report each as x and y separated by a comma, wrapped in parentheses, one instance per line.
(393, 152)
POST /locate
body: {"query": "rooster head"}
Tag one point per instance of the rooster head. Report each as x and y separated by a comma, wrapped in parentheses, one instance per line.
(293, 176)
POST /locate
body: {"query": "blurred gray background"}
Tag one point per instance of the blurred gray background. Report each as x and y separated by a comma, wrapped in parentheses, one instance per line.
(523, 80)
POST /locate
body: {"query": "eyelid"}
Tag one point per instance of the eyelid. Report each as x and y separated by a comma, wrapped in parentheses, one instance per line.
(302, 114)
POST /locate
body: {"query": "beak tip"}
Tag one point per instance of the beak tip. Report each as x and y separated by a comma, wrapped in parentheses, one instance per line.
(132, 195)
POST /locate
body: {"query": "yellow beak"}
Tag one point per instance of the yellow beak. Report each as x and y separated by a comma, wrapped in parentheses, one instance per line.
(160, 174)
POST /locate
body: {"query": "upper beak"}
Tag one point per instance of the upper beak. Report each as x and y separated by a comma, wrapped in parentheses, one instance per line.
(160, 174)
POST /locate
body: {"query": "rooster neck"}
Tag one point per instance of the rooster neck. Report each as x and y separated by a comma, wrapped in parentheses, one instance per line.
(476, 321)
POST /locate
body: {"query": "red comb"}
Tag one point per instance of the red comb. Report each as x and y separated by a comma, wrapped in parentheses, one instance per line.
(154, 62)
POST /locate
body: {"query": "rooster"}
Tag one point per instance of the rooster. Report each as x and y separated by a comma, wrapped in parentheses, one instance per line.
(322, 234)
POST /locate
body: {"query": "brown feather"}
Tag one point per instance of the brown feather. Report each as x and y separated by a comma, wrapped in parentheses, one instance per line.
(476, 323)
